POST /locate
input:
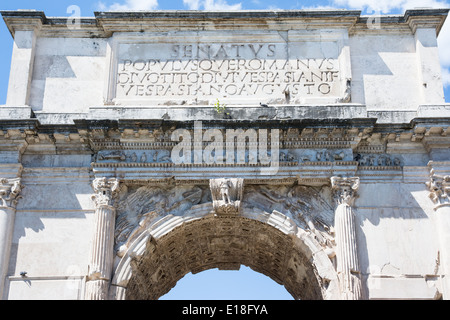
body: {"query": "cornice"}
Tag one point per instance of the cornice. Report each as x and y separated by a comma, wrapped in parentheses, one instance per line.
(23, 20)
(224, 20)
(104, 24)
(426, 18)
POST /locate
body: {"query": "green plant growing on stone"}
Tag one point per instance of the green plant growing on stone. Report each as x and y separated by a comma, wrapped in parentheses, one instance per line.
(221, 109)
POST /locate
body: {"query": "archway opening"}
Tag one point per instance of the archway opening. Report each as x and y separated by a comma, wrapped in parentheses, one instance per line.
(214, 284)
(226, 243)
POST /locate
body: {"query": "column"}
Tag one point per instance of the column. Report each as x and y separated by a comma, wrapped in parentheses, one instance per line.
(9, 194)
(347, 263)
(439, 187)
(102, 250)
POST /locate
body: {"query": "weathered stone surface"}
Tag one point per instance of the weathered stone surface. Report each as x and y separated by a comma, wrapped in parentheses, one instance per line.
(225, 243)
(141, 146)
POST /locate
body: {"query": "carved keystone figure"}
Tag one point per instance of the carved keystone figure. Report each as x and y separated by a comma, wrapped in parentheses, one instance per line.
(224, 191)
(226, 195)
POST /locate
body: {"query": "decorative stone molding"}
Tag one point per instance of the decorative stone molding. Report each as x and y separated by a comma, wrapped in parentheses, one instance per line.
(347, 263)
(102, 251)
(439, 187)
(227, 195)
(200, 229)
(147, 203)
(105, 191)
(9, 192)
(345, 189)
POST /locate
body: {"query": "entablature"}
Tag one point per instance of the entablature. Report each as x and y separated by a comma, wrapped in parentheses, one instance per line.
(357, 135)
(104, 24)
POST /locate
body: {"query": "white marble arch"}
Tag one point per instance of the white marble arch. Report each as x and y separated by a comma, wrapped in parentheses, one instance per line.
(303, 240)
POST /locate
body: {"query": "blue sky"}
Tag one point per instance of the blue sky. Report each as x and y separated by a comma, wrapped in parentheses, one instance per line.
(214, 284)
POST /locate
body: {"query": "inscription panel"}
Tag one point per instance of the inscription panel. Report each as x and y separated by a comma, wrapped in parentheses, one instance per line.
(184, 70)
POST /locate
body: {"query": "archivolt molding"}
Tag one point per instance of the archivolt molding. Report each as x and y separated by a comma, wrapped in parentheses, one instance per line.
(306, 222)
(141, 206)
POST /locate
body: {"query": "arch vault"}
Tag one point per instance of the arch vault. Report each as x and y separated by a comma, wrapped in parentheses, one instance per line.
(269, 243)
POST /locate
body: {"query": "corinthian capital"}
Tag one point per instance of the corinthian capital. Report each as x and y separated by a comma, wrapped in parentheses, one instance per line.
(439, 187)
(9, 192)
(345, 189)
(105, 191)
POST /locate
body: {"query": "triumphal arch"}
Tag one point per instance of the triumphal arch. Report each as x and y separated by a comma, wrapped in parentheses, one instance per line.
(311, 146)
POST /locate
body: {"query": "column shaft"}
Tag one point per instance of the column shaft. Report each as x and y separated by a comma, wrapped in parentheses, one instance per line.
(100, 266)
(347, 263)
(443, 224)
(102, 251)
(9, 194)
(7, 216)
(439, 187)
(347, 253)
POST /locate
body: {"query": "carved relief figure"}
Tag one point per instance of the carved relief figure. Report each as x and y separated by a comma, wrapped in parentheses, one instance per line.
(226, 195)
(224, 187)
(382, 160)
(111, 155)
(137, 209)
(303, 204)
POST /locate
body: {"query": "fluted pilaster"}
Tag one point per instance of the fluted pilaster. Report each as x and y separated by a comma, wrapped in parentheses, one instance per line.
(439, 187)
(102, 251)
(347, 263)
(97, 290)
(9, 194)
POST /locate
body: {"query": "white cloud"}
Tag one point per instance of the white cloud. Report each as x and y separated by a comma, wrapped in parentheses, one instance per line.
(444, 43)
(192, 4)
(211, 5)
(129, 5)
(446, 77)
(387, 6)
(318, 7)
(221, 5)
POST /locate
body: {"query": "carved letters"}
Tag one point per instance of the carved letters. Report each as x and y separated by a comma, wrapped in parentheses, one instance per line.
(226, 70)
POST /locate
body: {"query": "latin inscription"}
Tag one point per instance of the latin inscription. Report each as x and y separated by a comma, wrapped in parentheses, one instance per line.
(224, 70)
